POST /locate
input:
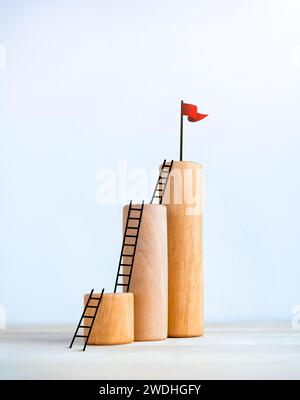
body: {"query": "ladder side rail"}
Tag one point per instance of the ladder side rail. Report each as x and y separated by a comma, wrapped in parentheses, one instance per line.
(93, 320)
(137, 236)
(167, 179)
(157, 183)
(81, 318)
(121, 254)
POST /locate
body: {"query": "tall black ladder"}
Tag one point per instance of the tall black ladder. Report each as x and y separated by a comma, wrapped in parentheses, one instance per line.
(91, 317)
(130, 239)
(162, 181)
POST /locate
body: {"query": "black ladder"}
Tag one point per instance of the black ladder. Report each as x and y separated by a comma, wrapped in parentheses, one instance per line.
(130, 238)
(162, 181)
(91, 317)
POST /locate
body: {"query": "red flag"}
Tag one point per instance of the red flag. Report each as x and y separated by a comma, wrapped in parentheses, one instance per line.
(191, 111)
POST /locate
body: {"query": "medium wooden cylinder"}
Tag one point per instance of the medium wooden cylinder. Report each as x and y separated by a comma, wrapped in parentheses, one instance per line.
(114, 323)
(149, 280)
(183, 199)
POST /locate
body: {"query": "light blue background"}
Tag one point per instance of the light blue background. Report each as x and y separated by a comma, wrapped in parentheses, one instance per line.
(90, 83)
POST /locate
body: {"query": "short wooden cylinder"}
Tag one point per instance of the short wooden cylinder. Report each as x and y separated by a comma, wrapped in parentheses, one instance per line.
(183, 199)
(114, 323)
(149, 281)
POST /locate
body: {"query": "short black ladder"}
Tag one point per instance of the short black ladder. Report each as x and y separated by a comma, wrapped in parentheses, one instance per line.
(130, 239)
(91, 317)
(162, 181)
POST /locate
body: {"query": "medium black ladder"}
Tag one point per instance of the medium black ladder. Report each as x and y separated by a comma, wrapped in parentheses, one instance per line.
(130, 238)
(162, 181)
(91, 317)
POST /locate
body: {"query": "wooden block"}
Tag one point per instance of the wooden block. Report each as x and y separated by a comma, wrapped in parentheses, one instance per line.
(183, 199)
(149, 281)
(114, 323)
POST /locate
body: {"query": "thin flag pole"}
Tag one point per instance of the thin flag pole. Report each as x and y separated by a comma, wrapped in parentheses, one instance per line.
(181, 132)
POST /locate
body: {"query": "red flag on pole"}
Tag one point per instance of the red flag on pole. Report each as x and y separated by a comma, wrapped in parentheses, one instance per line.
(193, 116)
(191, 111)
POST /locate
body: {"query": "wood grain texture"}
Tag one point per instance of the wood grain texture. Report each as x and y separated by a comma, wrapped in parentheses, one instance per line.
(114, 323)
(183, 199)
(149, 281)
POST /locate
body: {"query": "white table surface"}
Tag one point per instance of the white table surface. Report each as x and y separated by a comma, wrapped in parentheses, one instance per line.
(226, 351)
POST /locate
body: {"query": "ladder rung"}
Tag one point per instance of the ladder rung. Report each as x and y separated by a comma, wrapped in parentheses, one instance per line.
(88, 316)
(122, 284)
(80, 336)
(127, 255)
(83, 326)
(126, 265)
(157, 197)
(131, 236)
(127, 244)
(94, 298)
(132, 227)
(134, 218)
(124, 275)
(136, 209)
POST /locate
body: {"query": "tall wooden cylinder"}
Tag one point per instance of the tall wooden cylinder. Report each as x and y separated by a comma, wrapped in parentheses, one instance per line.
(149, 280)
(114, 323)
(183, 199)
